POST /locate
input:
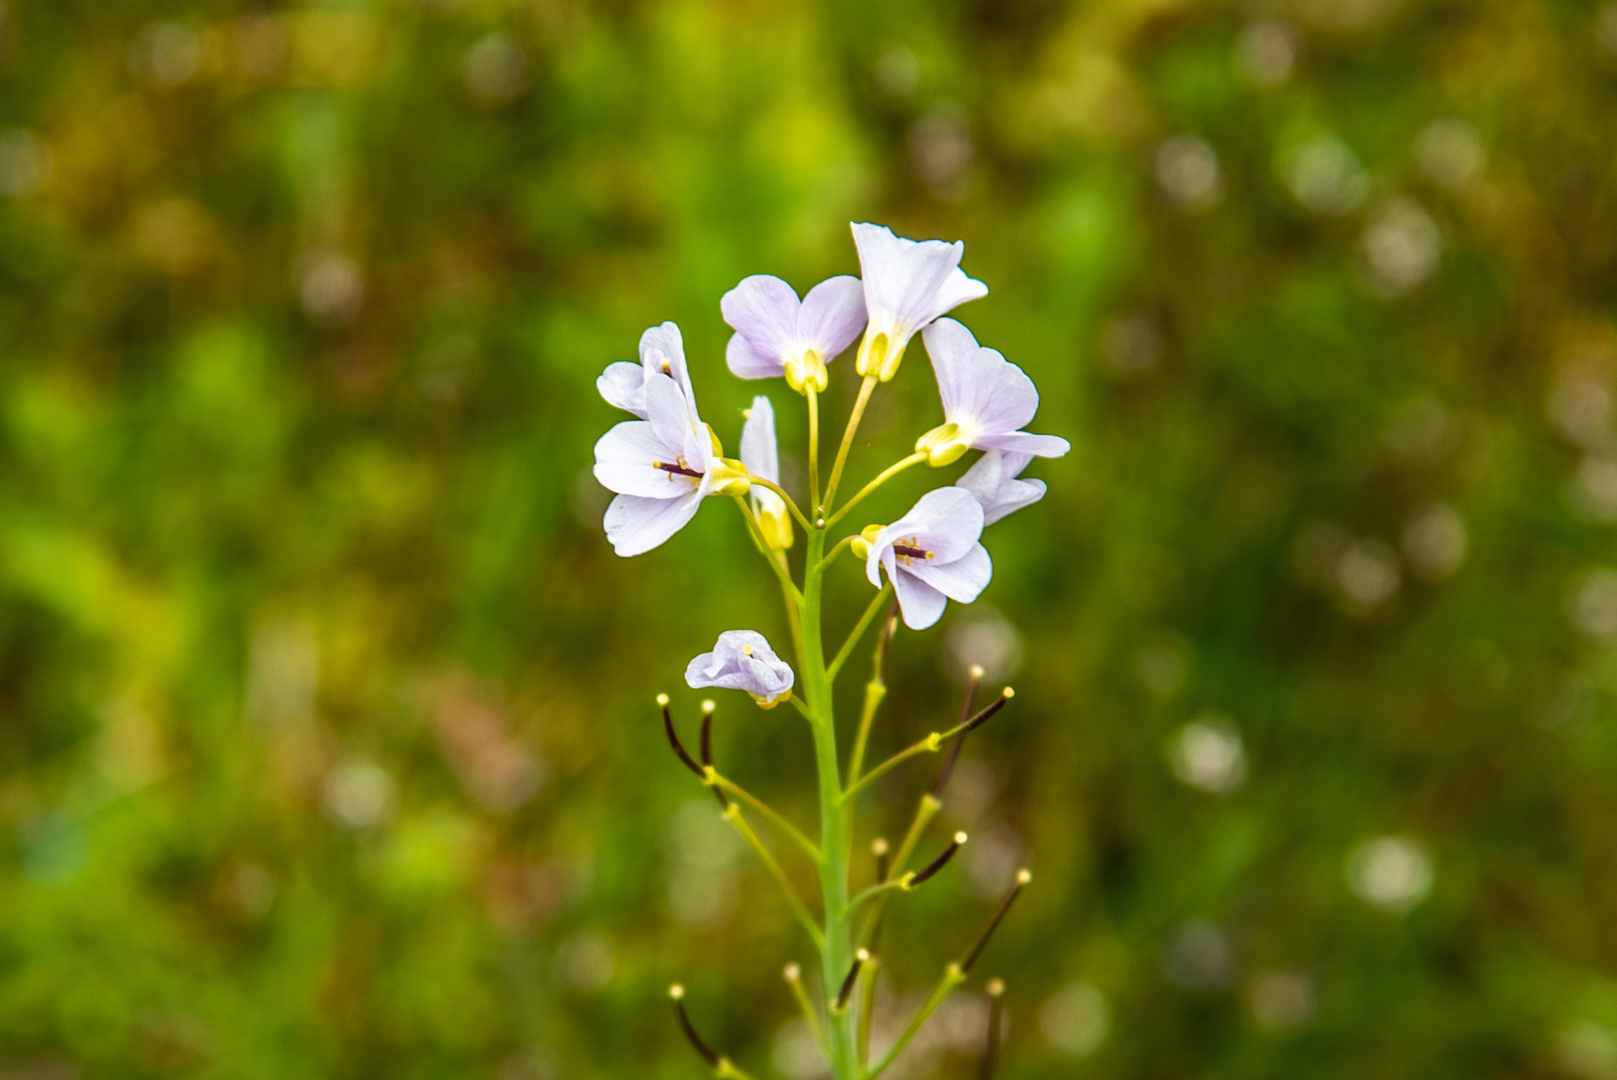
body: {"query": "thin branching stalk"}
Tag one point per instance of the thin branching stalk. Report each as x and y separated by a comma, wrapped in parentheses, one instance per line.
(882, 478)
(877, 602)
(792, 832)
(791, 504)
(866, 388)
(734, 816)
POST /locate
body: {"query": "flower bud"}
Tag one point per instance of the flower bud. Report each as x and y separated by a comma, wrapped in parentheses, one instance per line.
(728, 477)
(942, 445)
(860, 545)
(777, 529)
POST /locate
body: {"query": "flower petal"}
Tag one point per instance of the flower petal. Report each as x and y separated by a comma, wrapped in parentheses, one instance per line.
(745, 363)
(669, 417)
(763, 309)
(1013, 496)
(902, 277)
(952, 349)
(832, 315)
(759, 452)
(921, 604)
(635, 525)
(623, 385)
(964, 579)
(1025, 442)
(957, 289)
(623, 463)
(664, 343)
(946, 521)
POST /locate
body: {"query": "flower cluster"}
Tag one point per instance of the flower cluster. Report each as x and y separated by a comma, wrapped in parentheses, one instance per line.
(663, 464)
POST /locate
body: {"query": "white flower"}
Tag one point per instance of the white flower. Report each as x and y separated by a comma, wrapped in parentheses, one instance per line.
(662, 354)
(776, 335)
(994, 482)
(931, 555)
(908, 283)
(760, 456)
(662, 468)
(986, 400)
(743, 660)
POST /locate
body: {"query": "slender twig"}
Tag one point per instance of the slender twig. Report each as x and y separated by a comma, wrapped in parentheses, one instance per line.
(673, 739)
(867, 1008)
(858, 630)
(975, 678)
(677, 994)
(929, 745)
(996, 1010)
(875, 691)
(717, 779)
(952, 977)
(786, 583)
(841, 546)
(925, 811)
(859, 960)
(876, 890)
(791, 504)
(802, 706)
(910, 881)
(794, 979)
(707, 748)
(814, 448)
(976, 950)
(881, 478)
(734, 816)
(865, 390)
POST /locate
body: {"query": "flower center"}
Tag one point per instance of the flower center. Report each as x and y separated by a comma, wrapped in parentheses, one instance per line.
(911, 549)
(746, 650)
(676, 469)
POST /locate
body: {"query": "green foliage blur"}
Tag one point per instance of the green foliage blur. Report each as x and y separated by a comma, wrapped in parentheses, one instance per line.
(327, 745)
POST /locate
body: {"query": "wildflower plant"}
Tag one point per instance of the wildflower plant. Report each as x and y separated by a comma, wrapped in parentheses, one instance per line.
(667, 462)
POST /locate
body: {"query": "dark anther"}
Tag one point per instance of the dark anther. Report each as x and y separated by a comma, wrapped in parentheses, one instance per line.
(677, 992)
(940, 862)
(853, 977)
(911, 552)
(1022, 878)
(673, 740)
(996, 1008)
(676, 470)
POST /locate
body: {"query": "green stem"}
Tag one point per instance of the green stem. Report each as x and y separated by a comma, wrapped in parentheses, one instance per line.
(843, 544)
(810, 1013)
(867, 388)
(792, 832)
(836, 949)
(876, 890)
(734, 816)
(885, 475)
(858, 630)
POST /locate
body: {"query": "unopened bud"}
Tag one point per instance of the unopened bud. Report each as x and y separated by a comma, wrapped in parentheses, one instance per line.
(943, 445)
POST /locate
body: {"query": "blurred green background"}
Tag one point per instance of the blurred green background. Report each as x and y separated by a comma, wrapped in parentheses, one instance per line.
(327, 744)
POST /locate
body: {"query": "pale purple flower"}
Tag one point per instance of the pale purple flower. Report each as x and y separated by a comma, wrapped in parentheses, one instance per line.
(986, 400)
(993, 482)
(662, 355)
(931, 555)
(743, 660)
(908, 283)
(760, 456)
(776, 335)
(662, 468)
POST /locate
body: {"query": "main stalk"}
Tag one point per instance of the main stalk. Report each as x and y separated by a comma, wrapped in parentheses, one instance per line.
(837, 954)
